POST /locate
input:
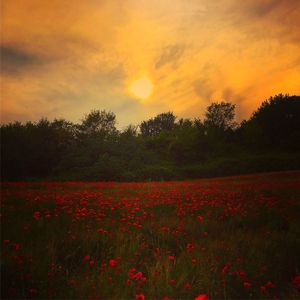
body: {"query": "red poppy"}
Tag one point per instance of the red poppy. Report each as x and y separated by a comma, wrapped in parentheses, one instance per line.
(37, 215)
(296, 281)
(86, 258)
(92, 263)
(17, 246)
(112, 263)
(202, 297)
(187, 286)
(270, 284)
(200, 218)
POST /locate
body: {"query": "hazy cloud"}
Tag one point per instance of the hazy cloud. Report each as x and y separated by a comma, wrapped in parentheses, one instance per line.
(64, 58)
(203, 89)
(267, 19)
(15, 60)
(170, 55)
(260, 8)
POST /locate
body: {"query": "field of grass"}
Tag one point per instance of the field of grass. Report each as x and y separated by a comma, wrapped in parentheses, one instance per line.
(221, 238)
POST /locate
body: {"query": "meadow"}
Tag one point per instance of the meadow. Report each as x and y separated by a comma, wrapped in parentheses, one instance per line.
(219, 238)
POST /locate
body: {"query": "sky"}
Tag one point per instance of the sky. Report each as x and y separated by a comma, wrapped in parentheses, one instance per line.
(62, 59)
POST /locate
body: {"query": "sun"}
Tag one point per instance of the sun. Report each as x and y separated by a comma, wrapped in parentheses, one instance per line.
(142, 87)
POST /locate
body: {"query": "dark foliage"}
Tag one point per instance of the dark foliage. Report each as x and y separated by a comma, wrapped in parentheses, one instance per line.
(160, 148)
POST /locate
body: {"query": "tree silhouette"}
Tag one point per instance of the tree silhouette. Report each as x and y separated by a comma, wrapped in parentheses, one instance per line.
(99, 121)
(220, 115)
(276, 122)
(154, 126)
(165, 148)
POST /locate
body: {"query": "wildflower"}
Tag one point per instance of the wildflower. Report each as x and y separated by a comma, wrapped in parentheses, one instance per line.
(5, 242)
(296, 281)
(92, 263)
(270, 284)
(241, 273)
(171, 257)
(86, 258)
(33, 291)
(132, 271)
(112, 263)
(200, 218)
(138, 275)
(190, 247)
(50, 274)
(246, 284)
(263, 289)
(202, 297)
(139, 297)
(17, 246)
(194, 261)
(187, 286)
(37, 215)
(172, 282)
(225, 268)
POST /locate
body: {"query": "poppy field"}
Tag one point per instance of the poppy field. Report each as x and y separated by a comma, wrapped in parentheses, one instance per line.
(221, 238)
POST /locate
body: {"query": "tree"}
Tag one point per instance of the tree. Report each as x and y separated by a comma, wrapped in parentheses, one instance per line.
(99, 121)
(154, 126)
(276, 122)
(220, 116)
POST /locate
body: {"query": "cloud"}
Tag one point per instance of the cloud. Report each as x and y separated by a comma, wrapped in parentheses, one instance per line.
(15, 60)
(203, 89)
(170, 55)
(260, 8)
(64, 58)
(266, 19)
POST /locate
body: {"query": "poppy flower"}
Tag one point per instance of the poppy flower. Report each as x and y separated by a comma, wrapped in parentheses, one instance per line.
(86, 258)
(112, 263)
(270, 284)
(92, 263)
(17, 246)
(200, 218)
(296, 281)
(37, 215)
(187, 286)
(202, 297)
(33, 291)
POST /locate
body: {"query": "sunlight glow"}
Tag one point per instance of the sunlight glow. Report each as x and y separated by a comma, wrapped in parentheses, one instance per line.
(142, 87)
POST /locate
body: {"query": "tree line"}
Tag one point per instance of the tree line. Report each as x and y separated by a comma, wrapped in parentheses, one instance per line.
(162, 148)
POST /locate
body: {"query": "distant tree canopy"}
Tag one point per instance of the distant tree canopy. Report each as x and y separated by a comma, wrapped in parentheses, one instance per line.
(163, 147)
(220, 115)
(276, 122)
(154, 126)
(99, 121)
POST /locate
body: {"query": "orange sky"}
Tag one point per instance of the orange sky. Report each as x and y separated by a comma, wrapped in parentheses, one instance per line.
(63, 58)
